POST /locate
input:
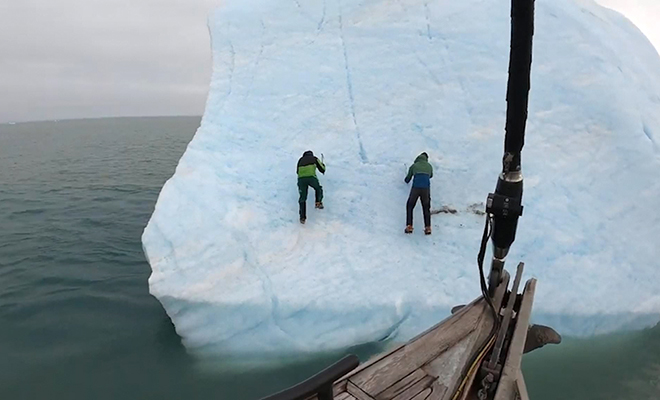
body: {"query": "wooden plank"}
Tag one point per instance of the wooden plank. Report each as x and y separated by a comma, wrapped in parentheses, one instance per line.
(501, 290)
(452, 360)
(401, 385)
(450, 365)
(507, 389)
(385, 370)
(405, 360)
(522, 387)
(339, 387)
(452, 317)
(485, 330)
(497, 300)
(481, 339)
(373, 360)
(423, 394)
(506, 319)
(473, 341)
(438, 391)
(338, 392)
(345, 396)
(380, 357)
(356, 392)
(415, 389)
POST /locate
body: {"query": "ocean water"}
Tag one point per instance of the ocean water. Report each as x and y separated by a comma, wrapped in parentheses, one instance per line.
(76, 317)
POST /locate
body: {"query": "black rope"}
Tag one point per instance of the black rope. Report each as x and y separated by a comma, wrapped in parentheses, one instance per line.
(480, 262)
(484, 289)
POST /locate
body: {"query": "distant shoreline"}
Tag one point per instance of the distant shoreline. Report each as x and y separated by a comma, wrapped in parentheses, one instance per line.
(11, 123)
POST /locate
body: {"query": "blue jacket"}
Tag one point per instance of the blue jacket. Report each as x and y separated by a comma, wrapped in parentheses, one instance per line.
(420, 172)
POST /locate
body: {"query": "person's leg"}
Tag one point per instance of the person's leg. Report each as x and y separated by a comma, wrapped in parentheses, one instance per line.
(425, 197)
(410, 205)
(318, 189)
(302, 199)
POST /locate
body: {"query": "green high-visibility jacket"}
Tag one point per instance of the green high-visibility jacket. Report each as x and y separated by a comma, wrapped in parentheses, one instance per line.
(308, 164)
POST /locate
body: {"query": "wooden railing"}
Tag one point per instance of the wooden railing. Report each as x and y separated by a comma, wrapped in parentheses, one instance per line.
(319, 384)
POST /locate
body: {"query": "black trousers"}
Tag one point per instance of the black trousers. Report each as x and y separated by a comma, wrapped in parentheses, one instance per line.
(424, 194)
(303, 186)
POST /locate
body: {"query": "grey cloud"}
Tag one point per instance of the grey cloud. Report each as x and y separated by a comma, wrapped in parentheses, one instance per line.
(643, 13)
(88, 58)
(76, 58)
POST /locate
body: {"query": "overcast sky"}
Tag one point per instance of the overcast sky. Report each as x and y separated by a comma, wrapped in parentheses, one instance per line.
(643, 13)
(90, 58)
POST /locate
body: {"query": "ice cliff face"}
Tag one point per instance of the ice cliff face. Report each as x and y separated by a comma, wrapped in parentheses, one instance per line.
(371, 84)
(643, 13)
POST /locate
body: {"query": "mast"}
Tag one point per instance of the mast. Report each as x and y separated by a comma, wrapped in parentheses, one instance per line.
(504, 207)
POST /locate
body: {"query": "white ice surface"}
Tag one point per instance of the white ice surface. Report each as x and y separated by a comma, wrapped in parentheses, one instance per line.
(645, 14)
(370, 84)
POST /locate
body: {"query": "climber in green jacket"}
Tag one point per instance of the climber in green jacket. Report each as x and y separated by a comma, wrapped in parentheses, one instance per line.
(421, 173)
(306, 170)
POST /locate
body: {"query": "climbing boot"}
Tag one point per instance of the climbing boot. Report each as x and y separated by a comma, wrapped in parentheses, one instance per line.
(427, 230)
(302, 221)
(409, 229)
(319, 205)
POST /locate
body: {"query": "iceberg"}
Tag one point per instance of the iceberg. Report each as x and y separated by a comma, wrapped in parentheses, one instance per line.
(643, 13)
(370, 84)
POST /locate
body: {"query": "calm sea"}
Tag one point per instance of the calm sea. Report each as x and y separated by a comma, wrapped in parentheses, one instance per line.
(76, 317)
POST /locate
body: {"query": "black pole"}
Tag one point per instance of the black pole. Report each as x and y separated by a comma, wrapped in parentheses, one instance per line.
(505, 205)
(520, 64)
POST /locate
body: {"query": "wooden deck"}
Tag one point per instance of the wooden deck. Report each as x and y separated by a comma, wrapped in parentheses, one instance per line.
(433, 365)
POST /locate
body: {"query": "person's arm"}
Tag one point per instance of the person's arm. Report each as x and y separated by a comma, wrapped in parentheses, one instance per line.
(410, 174)
(320, 165)
(431, 176)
